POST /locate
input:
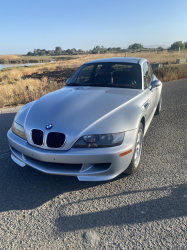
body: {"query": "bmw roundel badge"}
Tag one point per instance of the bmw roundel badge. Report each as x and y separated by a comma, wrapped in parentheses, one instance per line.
(49, 126)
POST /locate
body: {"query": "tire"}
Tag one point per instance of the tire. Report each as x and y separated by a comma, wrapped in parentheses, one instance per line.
(133, 167)
(159, 106)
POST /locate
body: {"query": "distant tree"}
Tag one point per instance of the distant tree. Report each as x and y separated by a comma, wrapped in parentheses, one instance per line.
(58, 49)
(176, 45)
(80, 51)
(118, 49)
(185, 44)
(110, 49)
(96, 49)
(101, 50)
(68, 51)
(136, 46)
(160, 48)
(42, 53)
(73, 51)
(35, 52)
(29, 53)
(130, 47)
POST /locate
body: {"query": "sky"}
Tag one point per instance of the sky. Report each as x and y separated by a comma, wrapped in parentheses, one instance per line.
(83, 24)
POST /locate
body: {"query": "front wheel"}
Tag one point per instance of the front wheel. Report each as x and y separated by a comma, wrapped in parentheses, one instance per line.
(133, 167)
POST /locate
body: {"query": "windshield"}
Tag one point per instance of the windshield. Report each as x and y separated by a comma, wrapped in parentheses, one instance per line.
(121, 75)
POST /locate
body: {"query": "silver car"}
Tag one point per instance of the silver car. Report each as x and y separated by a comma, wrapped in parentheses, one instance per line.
(92, 128)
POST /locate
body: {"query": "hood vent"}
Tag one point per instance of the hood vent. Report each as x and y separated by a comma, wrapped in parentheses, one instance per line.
(55, 140)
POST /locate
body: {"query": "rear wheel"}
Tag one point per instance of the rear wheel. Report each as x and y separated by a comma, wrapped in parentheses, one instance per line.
(133, 167)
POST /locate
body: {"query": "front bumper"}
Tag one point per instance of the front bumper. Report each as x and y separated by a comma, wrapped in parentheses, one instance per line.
(90, 164)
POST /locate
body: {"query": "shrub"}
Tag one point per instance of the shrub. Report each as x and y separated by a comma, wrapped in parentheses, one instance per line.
(176, 45)
(170, 73)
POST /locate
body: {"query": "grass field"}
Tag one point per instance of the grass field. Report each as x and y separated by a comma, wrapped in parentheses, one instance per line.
(13, 81)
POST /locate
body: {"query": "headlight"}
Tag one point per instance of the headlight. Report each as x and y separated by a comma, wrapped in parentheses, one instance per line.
(18, 130)
(100, 141)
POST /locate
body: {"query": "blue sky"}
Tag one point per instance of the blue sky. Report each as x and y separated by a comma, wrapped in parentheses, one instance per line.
(83, 24)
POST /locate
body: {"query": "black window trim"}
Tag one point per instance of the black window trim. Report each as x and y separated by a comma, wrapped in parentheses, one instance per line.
(149, 85)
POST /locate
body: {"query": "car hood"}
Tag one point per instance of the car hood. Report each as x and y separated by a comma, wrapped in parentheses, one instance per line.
(76, 111)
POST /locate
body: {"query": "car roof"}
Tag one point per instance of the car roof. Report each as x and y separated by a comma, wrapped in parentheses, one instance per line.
(120, 59)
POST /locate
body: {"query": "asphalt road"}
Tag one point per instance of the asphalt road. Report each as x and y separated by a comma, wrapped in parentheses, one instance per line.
(145, 211)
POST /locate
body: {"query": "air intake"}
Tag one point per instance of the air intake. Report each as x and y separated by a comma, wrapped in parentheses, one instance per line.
(55, 140)
(37, 137)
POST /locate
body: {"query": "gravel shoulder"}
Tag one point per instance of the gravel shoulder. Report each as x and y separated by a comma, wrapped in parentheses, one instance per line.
(147, 210)
(11, 109)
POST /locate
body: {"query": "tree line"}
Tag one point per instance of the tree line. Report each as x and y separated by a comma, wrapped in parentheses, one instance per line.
(59, 51)
(102, 50)
(177, 45)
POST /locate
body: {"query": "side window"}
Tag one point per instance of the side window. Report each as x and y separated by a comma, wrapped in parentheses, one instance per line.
(147, 75)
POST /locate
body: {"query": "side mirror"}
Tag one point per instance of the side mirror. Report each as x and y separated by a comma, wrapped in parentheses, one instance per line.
(156, 83)
(67, 80)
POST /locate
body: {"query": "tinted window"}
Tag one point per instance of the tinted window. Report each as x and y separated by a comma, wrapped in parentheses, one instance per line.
(84, 74)
(122, 75)
(147, 74)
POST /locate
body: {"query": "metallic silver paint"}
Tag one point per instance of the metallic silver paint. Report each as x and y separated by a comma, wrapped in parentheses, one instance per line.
(78, 111)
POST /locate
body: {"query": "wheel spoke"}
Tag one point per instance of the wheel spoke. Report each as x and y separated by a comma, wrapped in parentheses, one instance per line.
(135, 156)
(137, 139)
(138, 147)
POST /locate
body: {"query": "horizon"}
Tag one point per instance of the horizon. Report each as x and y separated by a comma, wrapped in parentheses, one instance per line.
(84, 25)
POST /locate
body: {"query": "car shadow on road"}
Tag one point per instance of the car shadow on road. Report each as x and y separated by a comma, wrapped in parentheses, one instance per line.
(168, 207)
(26, 188)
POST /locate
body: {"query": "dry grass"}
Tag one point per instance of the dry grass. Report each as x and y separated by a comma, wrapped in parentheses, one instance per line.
(152, 56)
(161, 57)
(18, 94)
(8, 57)
(13, 82)
(171, 73)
